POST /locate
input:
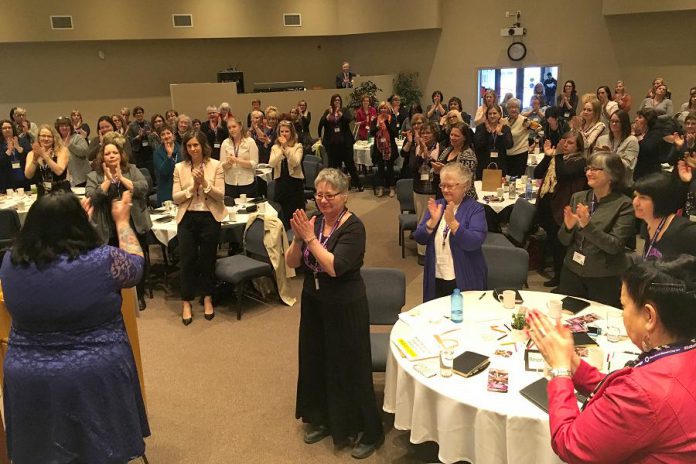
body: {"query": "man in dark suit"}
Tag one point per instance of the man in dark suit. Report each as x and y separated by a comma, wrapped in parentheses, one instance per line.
(344, 79)
(215, 130)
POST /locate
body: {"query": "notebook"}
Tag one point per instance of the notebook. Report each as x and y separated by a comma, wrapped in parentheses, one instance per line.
(581, 338)
(470, 363)
(536, 393)
(574, 305)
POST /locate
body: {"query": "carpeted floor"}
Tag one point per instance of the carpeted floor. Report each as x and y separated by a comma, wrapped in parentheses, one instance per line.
(224, 391)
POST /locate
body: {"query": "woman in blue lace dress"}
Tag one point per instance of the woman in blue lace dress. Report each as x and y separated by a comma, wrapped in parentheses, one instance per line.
(72, 393)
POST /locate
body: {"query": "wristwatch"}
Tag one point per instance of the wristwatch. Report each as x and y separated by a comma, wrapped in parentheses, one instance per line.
(560, 372)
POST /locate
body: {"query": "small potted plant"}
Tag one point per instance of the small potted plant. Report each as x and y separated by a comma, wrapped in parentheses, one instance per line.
(519, 326)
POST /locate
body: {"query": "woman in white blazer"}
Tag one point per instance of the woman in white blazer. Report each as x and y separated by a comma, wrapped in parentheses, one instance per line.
(199, 192)
(286, 160)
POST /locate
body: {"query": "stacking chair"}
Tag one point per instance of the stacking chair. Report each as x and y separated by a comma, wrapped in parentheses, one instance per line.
(240, 269)
(519, 228)
(311, 165)
(386, 295)
(151, 191)
(507, 266)
(407, 210)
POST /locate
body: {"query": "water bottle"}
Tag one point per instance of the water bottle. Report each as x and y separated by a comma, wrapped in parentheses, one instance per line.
(528, 190)
(457, 306)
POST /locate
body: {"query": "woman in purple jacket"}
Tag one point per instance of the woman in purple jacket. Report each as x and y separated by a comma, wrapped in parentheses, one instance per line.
(453, 230)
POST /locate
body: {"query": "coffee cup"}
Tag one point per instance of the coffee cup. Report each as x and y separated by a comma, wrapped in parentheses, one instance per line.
(243, 197)
(508, 299)
(262, 208)
(20, 192)
(555, 307)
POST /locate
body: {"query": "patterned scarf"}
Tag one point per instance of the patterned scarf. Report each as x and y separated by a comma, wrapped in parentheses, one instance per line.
(550, 181)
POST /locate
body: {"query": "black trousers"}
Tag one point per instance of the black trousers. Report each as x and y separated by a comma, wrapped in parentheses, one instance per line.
(444, 287)
(385, 172)
(606, 290)
(516, 165)
(339, 154)
(198, 234)
(234, 191)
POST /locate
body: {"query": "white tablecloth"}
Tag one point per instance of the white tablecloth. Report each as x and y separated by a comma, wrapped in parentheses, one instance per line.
(23, 203)
(468, 422)
(166, 231)
(497, 206)
(362, 153)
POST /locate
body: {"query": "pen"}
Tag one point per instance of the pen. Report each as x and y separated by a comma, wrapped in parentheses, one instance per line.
(631, 352)
(482, 295)
(500, 338)
(505, 325)
(507, 343)
(496, 329)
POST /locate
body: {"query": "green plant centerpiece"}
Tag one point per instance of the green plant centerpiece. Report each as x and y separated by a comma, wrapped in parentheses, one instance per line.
(368, 88)
(406, 86)
(519, 321)
(519, 324)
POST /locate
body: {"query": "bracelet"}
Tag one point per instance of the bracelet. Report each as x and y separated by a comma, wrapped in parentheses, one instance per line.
(561, 372)
(310, 240)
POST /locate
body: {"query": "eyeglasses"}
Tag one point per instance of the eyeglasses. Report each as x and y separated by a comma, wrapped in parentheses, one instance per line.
(614, 121)
(325, 196)
(448, 186)
(593, 168)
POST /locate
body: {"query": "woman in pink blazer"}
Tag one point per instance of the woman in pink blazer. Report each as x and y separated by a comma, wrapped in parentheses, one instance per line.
(644, 413)
(199, 191)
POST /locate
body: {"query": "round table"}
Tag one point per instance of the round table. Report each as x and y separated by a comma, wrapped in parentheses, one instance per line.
(498, 206)
(467, 421)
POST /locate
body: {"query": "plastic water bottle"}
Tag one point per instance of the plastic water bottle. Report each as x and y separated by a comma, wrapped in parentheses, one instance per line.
(528, 190)
(457, 306)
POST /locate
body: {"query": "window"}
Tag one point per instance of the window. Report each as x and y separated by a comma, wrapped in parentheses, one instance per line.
(519, 82)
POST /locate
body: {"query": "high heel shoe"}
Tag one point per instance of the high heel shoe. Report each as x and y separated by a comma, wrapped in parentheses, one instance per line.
(187, 320)
(209, 317)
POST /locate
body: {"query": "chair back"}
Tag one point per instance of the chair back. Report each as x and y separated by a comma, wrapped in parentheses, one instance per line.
(148, 177)
(404, 193)
(507, 266)
(9, 226)
(253, 240)
(386, 293)
(311, 168)
(270, 190)
(313, 158)
(521, 221)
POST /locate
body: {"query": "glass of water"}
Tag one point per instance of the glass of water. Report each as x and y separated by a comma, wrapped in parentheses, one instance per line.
(447, 357)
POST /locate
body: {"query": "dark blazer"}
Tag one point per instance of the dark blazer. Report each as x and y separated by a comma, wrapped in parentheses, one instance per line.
(14, 178)
(215, 137)
(391, 128)
(339, 80)
(570, 178)
(483, 142)
(326, 127)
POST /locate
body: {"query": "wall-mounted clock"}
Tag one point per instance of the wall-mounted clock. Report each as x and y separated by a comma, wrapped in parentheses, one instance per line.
(517, 51)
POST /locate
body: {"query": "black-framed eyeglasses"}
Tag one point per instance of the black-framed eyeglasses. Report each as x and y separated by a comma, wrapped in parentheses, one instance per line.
(326, 196)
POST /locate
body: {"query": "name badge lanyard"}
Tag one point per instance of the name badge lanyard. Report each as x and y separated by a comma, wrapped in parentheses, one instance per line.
(645, 359)
(315, 266)
(647, 248)
(593, 206)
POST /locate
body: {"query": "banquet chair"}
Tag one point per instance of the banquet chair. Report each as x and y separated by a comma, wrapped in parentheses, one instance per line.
(519, 228)
(386, 295)
(9, 228)
(507, 266)
(311, 165)
(407, 210)
(238, 270)
(151, 191)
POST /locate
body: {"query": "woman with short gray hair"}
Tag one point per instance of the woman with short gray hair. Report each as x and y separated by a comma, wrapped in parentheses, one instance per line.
(453, 230)
(335, 394)
(597, 225)
(516, 159)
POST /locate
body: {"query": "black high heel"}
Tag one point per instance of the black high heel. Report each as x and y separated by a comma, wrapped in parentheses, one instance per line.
(209, 317)
(186, 321)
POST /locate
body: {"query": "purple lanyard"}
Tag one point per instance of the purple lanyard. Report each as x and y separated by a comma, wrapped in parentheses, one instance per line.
(322, 241)
(663, 351)
(445, 231)
(649, 246)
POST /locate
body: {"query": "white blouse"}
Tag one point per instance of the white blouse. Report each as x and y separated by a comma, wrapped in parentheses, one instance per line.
(246, 150)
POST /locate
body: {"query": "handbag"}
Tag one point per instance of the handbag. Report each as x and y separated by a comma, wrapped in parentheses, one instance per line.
(491, 179)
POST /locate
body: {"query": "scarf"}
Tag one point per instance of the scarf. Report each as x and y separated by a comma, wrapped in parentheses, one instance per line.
(550, 181)
(384, 141)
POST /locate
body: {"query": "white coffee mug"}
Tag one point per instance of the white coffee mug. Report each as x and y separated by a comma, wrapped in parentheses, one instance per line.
(232, 214)
(262, 208)
(243, 197)
(508, 299)
(555, 307)
(10, 192)
(20, 192)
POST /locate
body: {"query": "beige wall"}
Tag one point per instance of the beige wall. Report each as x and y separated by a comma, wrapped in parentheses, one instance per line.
(51, 78)
(615, 7)
(28, 20)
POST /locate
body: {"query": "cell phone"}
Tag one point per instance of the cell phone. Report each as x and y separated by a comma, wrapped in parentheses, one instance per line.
(425, 370)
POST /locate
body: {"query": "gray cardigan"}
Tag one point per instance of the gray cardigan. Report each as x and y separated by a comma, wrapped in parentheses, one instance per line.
(78, 165)
(102, 206)
(603, 240)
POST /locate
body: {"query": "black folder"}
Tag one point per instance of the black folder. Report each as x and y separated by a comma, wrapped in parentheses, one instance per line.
(536, 393)
(582, 339)
(574, 305)
(470, 363)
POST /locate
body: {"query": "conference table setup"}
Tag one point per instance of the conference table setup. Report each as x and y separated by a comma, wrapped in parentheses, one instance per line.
(362, 153)
(485, 417)
(498, 204)
(21, 200)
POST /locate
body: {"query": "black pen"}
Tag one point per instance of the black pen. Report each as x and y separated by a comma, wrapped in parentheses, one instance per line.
(482, 295)
(508, 328)
(501, 337)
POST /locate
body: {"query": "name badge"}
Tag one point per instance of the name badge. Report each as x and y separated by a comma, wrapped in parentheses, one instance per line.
(692, 218)
(47, 185)
(216, 145)
(494, 154)
(424, 176)
(566, 114)
(337, 129)
(382, 140)
(146, 143)
(579, 258)
(16, 165)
